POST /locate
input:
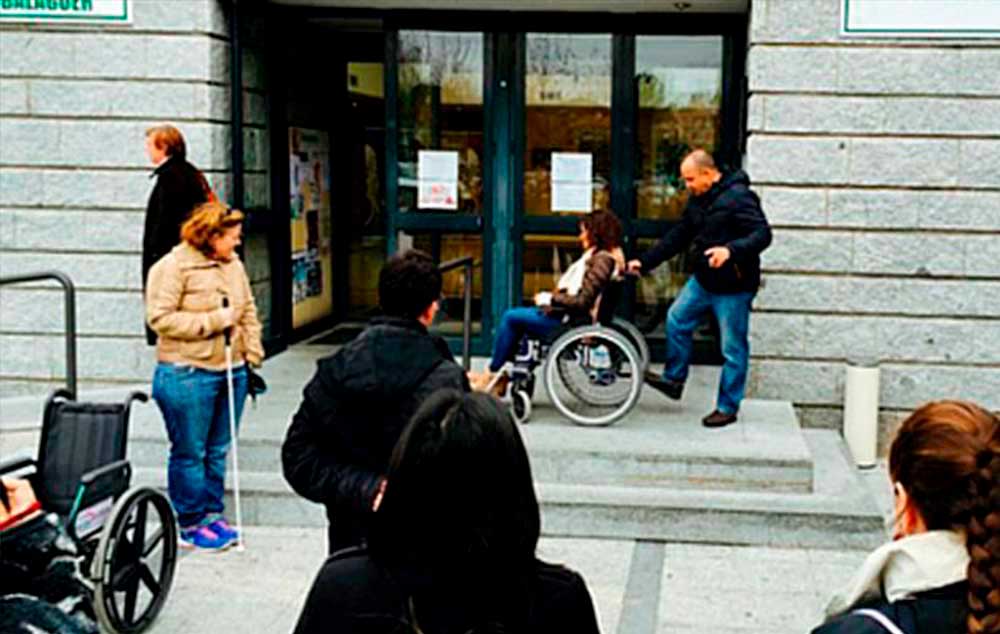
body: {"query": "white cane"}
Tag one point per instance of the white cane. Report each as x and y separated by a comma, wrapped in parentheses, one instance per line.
(232, 431)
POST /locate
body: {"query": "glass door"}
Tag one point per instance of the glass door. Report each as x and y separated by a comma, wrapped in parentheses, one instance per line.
(678, 93)
(625, 109)
(436, 167)
(498, 140)
(566, 158)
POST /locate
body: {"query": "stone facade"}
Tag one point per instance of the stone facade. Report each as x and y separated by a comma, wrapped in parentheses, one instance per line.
(74, 179)
(877, 162)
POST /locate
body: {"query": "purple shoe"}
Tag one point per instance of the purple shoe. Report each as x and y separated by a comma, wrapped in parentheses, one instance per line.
(218, 525)
(204, 539)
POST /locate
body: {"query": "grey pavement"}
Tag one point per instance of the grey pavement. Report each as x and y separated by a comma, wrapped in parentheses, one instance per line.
(639, 586)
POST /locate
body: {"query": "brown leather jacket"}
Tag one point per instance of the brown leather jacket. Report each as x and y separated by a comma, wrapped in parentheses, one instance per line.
(184, 306)
(601, 268)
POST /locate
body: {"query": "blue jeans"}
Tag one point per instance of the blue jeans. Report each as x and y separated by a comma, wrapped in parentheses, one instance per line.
(195, 408)
(515, 323)
(732, 310)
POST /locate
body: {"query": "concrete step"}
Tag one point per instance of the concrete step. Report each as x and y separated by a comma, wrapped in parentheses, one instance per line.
(661, 443)
(839, 514)
(679, 454)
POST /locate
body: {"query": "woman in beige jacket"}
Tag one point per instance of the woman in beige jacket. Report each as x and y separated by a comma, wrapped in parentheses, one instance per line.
(184, 306)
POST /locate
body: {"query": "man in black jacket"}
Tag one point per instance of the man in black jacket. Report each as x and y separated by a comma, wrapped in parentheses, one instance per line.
(353, 410)
(726, 230)
(179, 188)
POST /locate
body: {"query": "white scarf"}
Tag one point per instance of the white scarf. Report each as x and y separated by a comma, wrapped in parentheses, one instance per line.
(903, 568)
(572, 280)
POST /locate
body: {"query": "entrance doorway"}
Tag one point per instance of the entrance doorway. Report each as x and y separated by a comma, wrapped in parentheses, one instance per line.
(453, 133)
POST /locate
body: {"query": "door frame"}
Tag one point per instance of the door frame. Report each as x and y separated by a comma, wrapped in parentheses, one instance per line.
(502, 225)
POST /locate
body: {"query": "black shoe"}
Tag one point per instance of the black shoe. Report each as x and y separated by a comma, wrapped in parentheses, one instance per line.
(718, 419)
(670, 389)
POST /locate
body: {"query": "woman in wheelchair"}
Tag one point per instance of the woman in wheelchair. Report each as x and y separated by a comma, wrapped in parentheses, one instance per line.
(575, 298)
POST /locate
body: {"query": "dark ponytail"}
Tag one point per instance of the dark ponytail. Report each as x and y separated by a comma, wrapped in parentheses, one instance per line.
(983, 540)
(947, 457)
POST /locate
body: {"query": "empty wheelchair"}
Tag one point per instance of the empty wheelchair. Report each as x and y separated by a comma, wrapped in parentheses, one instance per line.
(126, 538)
(592, 371)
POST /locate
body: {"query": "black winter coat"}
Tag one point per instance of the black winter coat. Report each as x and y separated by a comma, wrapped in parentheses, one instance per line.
(179, 188)
(354, 594)
(939, 611)
(729, 215)
(353, 412)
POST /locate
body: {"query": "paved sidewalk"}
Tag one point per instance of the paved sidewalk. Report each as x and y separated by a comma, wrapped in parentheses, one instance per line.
(638, 587)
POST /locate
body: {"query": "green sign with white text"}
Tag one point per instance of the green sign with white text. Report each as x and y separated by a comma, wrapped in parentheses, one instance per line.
(66, 11)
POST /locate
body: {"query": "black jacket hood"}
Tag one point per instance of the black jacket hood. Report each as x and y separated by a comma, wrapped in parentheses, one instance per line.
(728, 180)
(388, 359)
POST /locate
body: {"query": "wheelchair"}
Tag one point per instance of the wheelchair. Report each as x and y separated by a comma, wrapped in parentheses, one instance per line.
(593, 372)
(126, 537)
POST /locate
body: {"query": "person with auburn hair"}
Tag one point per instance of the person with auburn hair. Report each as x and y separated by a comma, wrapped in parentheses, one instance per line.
(576, 295)
(941, 572)
(185, 307)
(452, 543)
(179, 188)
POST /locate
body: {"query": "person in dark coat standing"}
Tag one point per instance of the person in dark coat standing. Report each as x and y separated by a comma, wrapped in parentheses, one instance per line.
(941, 572)
(179, 188)
(726, 229)
(452, 543)
(355, 406)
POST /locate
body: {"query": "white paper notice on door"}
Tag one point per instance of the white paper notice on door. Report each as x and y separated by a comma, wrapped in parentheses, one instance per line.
(437, 179)
(572, 176)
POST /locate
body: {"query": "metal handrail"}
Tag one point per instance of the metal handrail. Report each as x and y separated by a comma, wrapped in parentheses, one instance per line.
(69, 303)
(466, 263)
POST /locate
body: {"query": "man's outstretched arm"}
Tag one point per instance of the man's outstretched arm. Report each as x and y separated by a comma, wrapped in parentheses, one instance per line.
(675, 240)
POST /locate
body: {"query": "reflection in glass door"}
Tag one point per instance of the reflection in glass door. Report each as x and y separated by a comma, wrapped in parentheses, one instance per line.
(567, 110)
(439, 157)
(678, 87)
(364, 143)
(567, 119)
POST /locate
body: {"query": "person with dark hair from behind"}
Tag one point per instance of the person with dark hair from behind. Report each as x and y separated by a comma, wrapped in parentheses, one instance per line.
(452, 544)
(179, 188)
(354, 408)
(941, 572)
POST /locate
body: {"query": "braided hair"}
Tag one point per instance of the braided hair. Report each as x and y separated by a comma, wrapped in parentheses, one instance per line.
(947, 457)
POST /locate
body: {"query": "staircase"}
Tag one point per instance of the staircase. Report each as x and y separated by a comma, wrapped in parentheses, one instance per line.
(655, 475)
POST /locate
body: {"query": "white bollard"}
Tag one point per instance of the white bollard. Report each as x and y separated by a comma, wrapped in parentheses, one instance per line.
(861, 413)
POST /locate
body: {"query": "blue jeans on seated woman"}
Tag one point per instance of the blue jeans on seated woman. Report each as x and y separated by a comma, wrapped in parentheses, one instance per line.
(195, 408)
(515, 324)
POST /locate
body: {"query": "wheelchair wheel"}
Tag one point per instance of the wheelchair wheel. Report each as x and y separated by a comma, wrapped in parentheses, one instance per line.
(593, 375)
(134, 565)
(520, 406)
(635, 338)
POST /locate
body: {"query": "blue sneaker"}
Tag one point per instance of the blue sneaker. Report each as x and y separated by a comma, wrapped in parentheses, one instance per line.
(218, 525)
(203, 538)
